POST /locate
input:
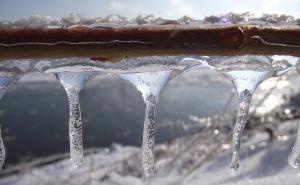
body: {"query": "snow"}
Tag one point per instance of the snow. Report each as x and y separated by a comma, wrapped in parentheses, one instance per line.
(262, 163)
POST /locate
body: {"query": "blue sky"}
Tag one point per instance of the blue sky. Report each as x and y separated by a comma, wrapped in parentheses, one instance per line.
(172, 9)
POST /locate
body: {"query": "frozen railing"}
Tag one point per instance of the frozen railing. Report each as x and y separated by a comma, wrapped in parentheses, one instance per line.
(148, 52)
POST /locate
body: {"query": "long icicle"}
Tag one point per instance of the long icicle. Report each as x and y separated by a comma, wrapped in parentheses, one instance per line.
(244, 101)
(294, 157)
(148, 137)
(245, 83)
(73, 82)
(150, 85)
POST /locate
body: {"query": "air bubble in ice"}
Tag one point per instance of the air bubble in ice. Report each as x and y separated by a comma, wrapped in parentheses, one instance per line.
(149, 85)
(73, 83)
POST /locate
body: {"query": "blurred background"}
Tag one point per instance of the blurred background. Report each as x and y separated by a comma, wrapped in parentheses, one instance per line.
(169, 9)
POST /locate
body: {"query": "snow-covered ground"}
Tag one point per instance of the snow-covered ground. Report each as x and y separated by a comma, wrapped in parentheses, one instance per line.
(262, 163)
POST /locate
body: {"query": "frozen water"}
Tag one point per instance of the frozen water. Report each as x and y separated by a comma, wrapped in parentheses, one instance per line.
(294, 157)
(150, 85)
(246, 73)
(148, 137)
(2, 150)
(149, 75)
(290, 59)
(245, 83)
(73, 82)
(195, 63)
(249, 80)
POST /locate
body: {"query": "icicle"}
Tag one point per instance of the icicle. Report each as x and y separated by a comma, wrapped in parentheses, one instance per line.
(5, 82)
(2, 150)
(245, 83)
(294, 157)
(150, 85)
(73, 83)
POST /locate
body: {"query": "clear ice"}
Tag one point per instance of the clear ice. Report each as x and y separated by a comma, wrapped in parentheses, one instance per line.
(149, 85)
(5, 82)
(73, 82)
(294, 157)
(245, 83)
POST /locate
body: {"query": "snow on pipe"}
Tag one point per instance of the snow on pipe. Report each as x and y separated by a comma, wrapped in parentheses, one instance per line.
(73, 82)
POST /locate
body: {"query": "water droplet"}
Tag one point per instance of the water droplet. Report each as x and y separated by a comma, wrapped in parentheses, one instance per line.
(73, 82)
(150, 85)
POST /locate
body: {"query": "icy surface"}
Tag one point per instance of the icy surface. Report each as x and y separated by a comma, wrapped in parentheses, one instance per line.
(73, 83)
(148, 83)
